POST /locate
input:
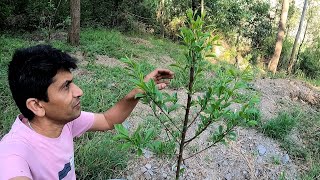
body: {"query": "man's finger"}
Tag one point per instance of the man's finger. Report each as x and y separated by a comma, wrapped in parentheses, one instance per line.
(164, 72)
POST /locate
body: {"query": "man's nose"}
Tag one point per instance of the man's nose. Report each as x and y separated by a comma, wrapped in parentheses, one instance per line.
(77, 92)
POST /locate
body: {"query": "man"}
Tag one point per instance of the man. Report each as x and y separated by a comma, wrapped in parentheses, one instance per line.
(40, 142)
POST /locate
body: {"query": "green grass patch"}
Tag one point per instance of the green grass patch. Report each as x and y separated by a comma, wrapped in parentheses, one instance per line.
(313, 173)
(99, 157)
(298, 133)
(280, 126)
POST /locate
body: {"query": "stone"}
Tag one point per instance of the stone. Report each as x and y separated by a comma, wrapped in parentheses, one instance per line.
(148, 166)
(150, 172)
(147, 176)
(164, 175)
(259, 160)
(126, 125)
(143, 169)
(261, 150)
(258, 173)
(225, 163)
(228, 176)
(246, 175)
(147, 154)
(285, 159)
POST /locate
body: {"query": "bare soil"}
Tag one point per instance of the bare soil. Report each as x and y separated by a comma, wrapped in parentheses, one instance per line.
(240, 159)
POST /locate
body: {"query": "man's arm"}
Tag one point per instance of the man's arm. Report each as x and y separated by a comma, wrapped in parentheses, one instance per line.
(121, 110)
(14, 167)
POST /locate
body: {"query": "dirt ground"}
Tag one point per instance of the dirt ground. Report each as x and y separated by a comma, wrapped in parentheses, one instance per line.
(252, 156)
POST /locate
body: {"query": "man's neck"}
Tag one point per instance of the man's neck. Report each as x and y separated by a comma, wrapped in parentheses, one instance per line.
(45, 127)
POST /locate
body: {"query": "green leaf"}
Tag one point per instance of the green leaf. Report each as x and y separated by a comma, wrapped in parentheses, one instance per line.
(232, 136)
(139, 151)
(211, 55)
(224, 142)
(149, 135)
(252, 123)
(121, 129)
(220, 129)
(126, 145)
(173, 107)
(177, 66)
(121, 137)
(139, 95)
(215, 38)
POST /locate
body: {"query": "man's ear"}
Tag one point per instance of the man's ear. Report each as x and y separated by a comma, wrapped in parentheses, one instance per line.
(35, 106)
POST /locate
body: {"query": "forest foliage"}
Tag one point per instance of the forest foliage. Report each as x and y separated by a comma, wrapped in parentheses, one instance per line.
(248, 27)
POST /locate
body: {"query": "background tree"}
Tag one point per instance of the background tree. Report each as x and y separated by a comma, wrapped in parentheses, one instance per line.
(294, 48)
(281, 32)
(74, 32)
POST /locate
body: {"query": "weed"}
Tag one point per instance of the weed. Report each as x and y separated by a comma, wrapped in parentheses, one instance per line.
(276, 160)
(282, 176)
(280, 126)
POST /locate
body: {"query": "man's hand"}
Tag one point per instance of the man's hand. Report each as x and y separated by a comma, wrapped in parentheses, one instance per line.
(160, 77)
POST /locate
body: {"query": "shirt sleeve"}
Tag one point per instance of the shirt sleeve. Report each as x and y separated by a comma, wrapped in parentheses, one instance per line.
(82, 124)
(13, 166)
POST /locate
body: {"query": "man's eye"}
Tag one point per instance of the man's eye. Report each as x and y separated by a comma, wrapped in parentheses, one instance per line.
(67, 86)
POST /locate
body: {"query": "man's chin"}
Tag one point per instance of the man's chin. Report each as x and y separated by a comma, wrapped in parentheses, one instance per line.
(76, 115)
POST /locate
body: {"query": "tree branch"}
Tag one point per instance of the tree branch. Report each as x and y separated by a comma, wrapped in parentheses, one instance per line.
(198, 134)
(165, 114)
(214, 143)
(195, 118)
(166, 128)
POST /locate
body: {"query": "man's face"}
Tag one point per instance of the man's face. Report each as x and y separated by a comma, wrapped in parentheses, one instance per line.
(64, 98)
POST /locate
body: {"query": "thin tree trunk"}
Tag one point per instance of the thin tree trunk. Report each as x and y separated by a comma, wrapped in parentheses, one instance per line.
(74, 32)
(304, 36)
(202, 6)
(160, 16)
(237, 63)
(294, 48)
(186, 117)
(273, 64)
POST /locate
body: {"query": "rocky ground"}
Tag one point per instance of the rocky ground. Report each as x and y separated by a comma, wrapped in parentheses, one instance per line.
(252, 156)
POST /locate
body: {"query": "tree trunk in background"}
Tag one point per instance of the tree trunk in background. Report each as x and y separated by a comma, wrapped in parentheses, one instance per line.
(160, 16)
(202, 6)
(281, 31)
(292, 59)
(196, 7)
(74, 32)
(304, 35)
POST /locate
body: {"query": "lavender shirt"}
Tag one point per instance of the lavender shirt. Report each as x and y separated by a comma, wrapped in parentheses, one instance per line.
(24, 152)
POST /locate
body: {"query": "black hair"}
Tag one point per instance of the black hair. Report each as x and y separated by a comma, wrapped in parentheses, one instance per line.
(31, 71)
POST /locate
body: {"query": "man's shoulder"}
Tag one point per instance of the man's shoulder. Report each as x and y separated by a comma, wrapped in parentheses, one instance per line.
(14, 143)
(15, 146)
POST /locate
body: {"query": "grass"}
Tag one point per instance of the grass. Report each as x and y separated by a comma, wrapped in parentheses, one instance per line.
(97, 156)
(306, 126)
(280, 126)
